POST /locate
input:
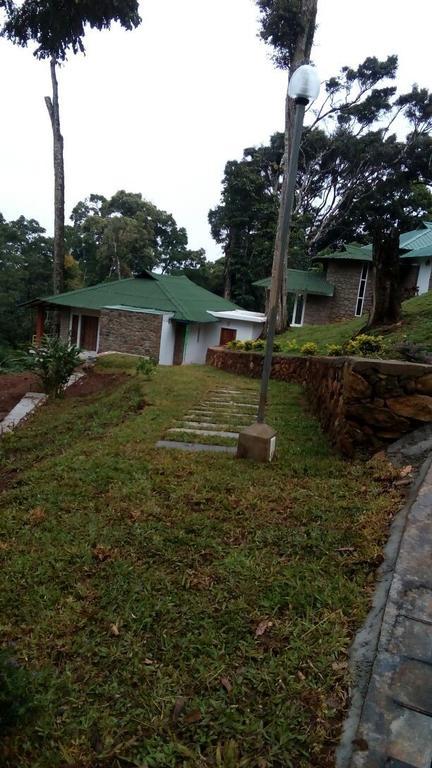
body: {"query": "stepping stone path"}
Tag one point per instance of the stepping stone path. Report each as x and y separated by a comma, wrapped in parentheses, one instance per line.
(219, 418)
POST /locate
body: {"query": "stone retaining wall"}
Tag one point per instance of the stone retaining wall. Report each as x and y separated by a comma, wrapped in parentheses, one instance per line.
(359, 402)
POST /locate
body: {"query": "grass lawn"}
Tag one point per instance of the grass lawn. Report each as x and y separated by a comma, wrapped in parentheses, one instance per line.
(416, 327)
(175, 609)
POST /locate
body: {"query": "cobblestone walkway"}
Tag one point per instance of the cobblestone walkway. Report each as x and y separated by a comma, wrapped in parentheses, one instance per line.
(395, 726)
(215, 423)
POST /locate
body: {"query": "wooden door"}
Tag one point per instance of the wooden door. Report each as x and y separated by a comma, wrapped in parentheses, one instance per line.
(74, 330)
(179, 340)
(226, 335)
(89, 332)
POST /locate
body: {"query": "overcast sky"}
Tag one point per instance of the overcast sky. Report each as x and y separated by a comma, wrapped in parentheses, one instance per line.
(160, 110)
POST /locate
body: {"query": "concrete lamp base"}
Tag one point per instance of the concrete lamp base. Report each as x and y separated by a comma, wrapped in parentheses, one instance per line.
(257, 442)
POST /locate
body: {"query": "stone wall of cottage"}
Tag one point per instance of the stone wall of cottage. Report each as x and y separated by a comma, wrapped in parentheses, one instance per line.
(317, 309)
(345, 276)
(359, 402)
(137, 333)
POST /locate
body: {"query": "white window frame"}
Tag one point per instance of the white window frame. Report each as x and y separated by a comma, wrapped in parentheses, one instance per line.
(293, 323)
(78, 314)
(362, 284)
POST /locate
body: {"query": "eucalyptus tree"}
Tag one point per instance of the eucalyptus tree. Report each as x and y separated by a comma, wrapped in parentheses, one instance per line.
(57, 28)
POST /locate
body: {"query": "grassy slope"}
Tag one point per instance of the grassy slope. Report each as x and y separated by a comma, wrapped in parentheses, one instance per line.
(133, 578)
(416, 327)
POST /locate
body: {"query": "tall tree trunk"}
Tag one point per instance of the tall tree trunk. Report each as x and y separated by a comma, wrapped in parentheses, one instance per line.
(386, 308)
(300, 56)
(231, 244)
(59, 185)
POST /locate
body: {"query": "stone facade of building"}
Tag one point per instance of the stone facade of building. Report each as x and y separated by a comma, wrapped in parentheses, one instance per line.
(317, 310)
(137, 333)
(345, 276)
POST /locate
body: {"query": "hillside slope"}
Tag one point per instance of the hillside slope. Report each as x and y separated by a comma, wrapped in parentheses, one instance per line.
(416, 328)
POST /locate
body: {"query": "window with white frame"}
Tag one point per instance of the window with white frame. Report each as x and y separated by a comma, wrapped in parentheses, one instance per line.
(362, 290)
(299, 309)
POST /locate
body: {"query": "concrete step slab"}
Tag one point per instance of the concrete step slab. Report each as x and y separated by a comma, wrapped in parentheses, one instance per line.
(196, 447)
(24, 408)
(218, 415)
(218, 403)
(206, 432)
(207, 425)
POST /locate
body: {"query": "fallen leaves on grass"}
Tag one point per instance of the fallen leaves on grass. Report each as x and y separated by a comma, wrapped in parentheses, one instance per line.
(37, 515)
(193, 717)
(405, 471)
(178, 708)
(227, 684)
(114, 629)
(262, 627)
(100, 553)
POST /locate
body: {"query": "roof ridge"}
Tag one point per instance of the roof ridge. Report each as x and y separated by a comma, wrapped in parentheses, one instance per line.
(86, 288)
(169, 295)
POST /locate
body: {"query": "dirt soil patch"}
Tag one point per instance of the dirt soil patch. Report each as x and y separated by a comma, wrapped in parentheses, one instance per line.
(94, 382)
(13, 386)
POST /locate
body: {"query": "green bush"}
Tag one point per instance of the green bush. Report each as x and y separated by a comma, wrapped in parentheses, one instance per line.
(248, 345)
(310, 348)
(335, 350)
(15, 698)
(291, 346)
(277, 347)
(146, 366)
(53, 361)
(235, 344)
(258, 345)
(365, 345)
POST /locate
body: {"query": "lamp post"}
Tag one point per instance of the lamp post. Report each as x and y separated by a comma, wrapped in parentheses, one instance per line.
(258, 441)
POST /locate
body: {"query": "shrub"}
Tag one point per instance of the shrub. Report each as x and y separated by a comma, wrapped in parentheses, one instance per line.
(258, 345)
(248, 345)
(291, 346)
(335, 350)
(365, 345)
(235, 344)
(53, 361)
(310, 348)
(277, 347)
(146, 366)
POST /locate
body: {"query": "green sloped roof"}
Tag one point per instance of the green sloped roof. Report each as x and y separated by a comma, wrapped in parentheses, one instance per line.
(408, 241)
(417, 238)
(350, 252)
(301, 281)
(164, 293)
(418, 253)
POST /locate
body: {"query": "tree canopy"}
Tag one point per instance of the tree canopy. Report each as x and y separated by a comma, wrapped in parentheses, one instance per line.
(113, 238)
(354, 171)
(25, 272)
(58, 25)
(283, 23)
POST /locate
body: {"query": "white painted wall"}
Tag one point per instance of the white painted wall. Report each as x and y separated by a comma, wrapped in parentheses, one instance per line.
(166, 349)
(424, 274)
(199, 337)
